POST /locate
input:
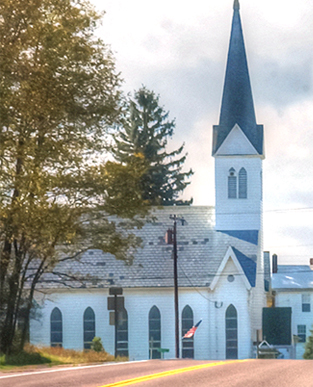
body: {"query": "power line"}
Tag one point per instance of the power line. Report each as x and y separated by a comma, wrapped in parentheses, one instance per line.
(277, 211)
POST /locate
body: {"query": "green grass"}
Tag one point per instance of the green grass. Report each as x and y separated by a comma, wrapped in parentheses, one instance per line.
(32, 356)
(24, 358)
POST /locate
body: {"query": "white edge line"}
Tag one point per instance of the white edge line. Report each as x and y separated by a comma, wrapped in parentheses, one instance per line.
(73, 368)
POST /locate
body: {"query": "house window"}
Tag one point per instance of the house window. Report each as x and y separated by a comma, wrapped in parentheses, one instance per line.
(56, 328)
(242, 193)
(187, 323)
(154, 333)
(232, 184)
(122, 333)
(231, 325)
(306, 303)
(89, 327)
(301, 333)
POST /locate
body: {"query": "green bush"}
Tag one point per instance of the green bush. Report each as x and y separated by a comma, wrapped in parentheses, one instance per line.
(97, 344)
(308, 354)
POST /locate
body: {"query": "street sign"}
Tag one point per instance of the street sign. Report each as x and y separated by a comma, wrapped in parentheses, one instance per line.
(115, 291)
(112, 318)
(119, 303)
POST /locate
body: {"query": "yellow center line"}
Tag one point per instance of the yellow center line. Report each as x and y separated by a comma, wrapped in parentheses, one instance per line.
(168, 373)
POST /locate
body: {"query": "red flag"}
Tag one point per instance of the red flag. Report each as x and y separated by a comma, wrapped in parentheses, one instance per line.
(192, 331)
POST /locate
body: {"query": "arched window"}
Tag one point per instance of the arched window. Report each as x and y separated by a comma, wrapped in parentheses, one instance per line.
(154, 333)
(122, 333)
(231, 325)
(89, 327)
(232, 184)
(56, 328)
(187, 323)
(242, 194)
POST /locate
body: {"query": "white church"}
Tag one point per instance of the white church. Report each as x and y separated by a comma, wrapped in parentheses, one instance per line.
(223, 275)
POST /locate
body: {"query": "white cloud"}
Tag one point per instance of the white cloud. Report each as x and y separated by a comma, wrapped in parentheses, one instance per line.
(179, 50)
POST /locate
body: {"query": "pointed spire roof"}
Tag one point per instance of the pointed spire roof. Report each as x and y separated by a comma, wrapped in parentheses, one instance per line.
(237, 101)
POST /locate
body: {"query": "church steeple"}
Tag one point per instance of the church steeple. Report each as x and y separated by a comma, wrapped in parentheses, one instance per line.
(236, 4)
(238, 145)
(237, 101)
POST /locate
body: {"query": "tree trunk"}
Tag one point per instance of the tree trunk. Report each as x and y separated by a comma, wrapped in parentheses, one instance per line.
(8, 329)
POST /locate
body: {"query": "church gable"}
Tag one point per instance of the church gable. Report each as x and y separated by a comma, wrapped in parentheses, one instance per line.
(233, 265)
(236, 143)
(248, 266)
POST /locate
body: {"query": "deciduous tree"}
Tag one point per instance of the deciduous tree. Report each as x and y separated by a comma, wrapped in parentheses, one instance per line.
(58, 90)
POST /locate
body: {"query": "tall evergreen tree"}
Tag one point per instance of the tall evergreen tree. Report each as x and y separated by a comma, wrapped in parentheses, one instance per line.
(144, 135)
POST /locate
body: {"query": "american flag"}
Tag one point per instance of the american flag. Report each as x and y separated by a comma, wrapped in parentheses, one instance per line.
(192, 331)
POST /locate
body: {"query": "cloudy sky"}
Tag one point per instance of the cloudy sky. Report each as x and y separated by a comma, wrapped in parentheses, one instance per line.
(179, 50)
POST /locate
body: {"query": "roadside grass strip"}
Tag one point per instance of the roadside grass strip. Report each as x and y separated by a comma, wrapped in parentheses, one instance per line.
(168, 373)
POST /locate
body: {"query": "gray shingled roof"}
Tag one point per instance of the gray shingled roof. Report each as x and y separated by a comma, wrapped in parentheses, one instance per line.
(200, 252)
(292, 277)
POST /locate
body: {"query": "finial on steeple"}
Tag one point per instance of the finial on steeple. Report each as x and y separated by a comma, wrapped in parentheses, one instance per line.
(236, 5)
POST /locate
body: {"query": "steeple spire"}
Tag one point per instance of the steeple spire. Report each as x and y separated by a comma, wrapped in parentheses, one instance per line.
(237, 101)
(236, 5)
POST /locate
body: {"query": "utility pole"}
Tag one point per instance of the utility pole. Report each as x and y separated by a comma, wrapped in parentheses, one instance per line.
(117, 304)
(171, 238)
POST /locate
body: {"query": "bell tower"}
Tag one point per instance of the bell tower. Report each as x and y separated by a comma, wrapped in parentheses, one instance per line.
(238, 144)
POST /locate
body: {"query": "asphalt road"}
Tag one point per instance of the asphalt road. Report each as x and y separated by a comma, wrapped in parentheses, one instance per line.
(173, 373)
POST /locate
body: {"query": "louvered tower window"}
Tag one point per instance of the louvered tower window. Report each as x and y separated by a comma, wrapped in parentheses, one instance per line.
(242, 194)
(232, 184)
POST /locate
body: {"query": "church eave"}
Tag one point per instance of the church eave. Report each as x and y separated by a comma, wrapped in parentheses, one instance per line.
(256, 138)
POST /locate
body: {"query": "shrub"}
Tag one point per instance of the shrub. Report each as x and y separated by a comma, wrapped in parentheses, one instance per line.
(308, 354)
(97, 344)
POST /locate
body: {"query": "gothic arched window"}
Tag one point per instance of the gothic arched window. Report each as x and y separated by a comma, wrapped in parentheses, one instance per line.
(56, 328)
(122, 333)
(154, 333)
(187, 323)
(242, 193)
(231, 325)
(232, 184)
(89, 327)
